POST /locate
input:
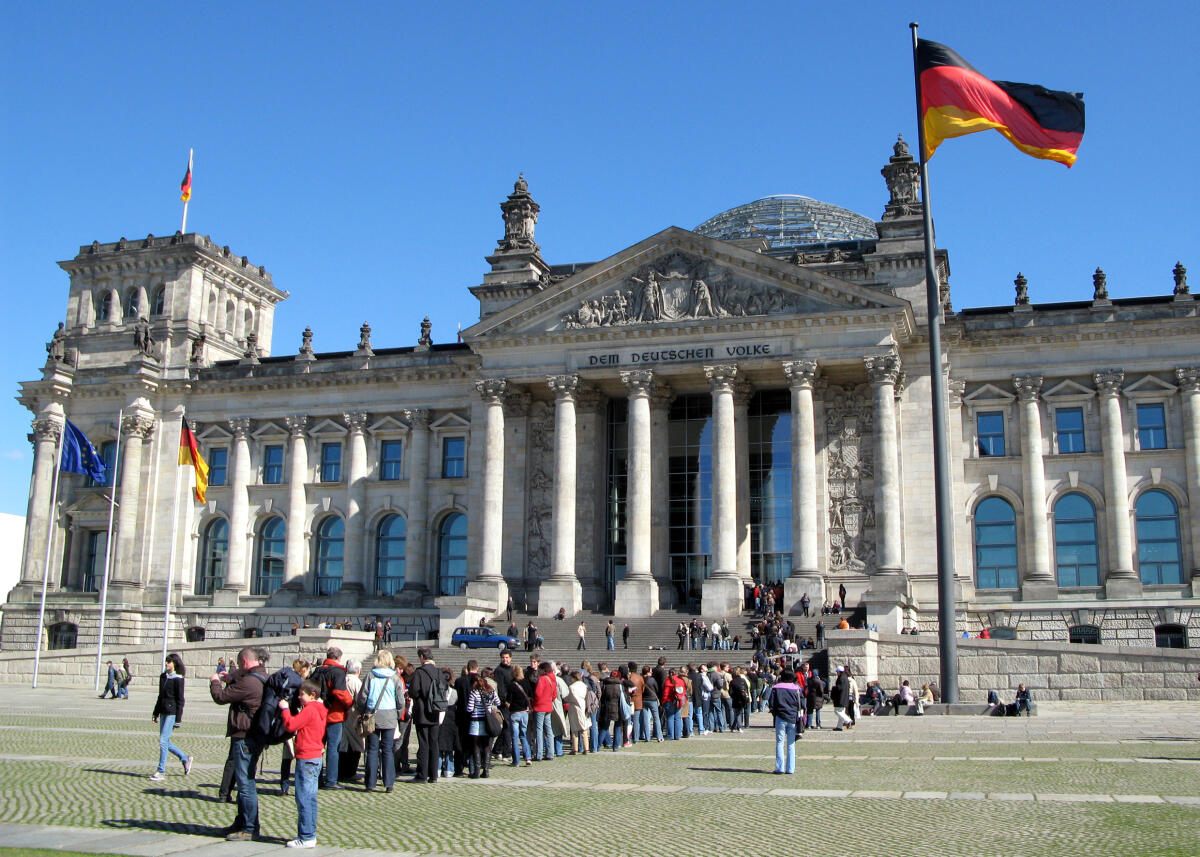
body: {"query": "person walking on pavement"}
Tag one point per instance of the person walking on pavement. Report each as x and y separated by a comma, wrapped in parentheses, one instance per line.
(111, 685)
(168, 711)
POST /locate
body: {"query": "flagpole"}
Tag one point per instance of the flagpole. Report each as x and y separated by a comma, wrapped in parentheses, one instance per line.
(37, 656)
(947, 620)
(183, 227)
(112, 503)
(171, 563)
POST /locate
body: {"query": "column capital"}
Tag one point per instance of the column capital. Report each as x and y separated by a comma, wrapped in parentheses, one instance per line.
(138, 424)
(743, 391)
(492, 390)
(955, 389)
(800, 373)
(564, 386)
(417, 418)
(1108, 381)
(722, 377)
(296, 424)
(356, 420)
(1028, 387)
(1188, 378)
(45, 428)
(883, 370)
(516, 403)
(661, 395)
(588, 397)
(638, 381)
(240, 426)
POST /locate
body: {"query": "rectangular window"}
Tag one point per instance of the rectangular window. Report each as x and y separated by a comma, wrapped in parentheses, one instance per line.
(454, 457)
(331, 462)
(272, 465)
(390, 460)
(1069, 424)
(1152, 427)
(990, 428)
(218, 465)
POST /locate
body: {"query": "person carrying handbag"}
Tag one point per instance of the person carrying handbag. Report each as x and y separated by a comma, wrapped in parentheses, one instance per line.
(381, 706)
(482, 705)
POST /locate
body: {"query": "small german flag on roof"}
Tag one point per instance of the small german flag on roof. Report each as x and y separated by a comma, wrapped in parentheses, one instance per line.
(957, 100)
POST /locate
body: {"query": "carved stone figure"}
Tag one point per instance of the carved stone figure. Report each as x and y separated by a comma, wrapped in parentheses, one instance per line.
(903, 178)
(652, 299)
(197, 354)
(1022, 290)
(702, 305)
(426, 339)
(56, 348)
(520, 215)
(141, 338)
(1181, 284)
(306, 349)
(849, 477)
(1099, 286)
(364, 341)
(540, 508)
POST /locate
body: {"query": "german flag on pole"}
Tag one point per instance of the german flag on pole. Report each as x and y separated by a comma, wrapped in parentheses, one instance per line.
(189, 456)
(957, 100)
(185, 186)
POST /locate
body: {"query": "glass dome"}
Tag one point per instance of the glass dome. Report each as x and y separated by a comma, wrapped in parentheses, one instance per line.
(787, 221)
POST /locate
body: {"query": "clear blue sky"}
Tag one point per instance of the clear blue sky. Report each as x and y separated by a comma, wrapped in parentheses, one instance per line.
(359, 151)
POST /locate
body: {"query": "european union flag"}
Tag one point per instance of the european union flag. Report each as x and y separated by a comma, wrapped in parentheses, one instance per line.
(79, 456)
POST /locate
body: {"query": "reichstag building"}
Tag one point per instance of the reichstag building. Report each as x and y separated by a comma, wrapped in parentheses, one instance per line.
(744, 401)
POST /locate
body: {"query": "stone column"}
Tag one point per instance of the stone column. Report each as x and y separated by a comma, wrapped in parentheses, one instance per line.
(416, 568)
(722, 596)
(236, 577)
(47, 430)
(488, 582)
(888, 591)
(293, 560)
(660, 488)
(637, 592)
(135, 431)
(562, 588)
(1189, 391)
(354, 571)
(742, 393)
(1038, 582)
(806, 576)
(1120, 581)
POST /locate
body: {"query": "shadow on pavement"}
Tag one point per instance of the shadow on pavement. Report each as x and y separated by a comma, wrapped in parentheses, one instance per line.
(733, 770)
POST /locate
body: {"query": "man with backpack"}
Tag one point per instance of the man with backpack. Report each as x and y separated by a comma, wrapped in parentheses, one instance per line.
(243, 694)
(428, 690)
(331, 676)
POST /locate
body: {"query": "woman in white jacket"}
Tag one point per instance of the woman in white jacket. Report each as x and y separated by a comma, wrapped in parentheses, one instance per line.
(577, 717)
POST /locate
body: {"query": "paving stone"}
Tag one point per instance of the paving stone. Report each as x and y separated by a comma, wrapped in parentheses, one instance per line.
(1075, 798)
(1009, 796)
(1138, 799)
(876, 794)
(925, 795)
(967, 796)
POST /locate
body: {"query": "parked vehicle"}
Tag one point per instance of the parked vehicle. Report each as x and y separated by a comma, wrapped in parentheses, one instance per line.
(482, 638)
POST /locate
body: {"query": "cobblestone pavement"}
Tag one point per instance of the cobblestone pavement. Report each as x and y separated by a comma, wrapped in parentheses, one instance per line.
(1081, 778)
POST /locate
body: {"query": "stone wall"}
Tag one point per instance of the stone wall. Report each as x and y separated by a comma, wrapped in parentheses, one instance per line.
(1062, 671)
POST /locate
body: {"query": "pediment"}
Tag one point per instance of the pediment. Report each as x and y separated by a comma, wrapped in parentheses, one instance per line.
(449, 421)
(387, 425)
(989, 394)
(678, 277)
(1068, 390)
(267, 429)
(328, 427)
(1149, 385)
(214, 432)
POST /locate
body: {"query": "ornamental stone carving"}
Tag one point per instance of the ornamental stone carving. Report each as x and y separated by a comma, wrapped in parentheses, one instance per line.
(492, 390)
(364, 342)
(1188, 378)
(56, 348)
(564, 386)
(1099, 285)
(417, 418)
(425, 342)
(540, 502)
(678, 288)
(1181, 283)
(356, 421)
(47, 429)
(520, 214)
(517, 402)
(743, 392)
(883, 370)
(903, 178)
(306, 349)
(296, 424)
(138, 424)
(1022, 290)
(850, 477)
(1028, 387)
(240, 426)
(638, 381)
(800, 373)
(721, 378)
(1109, 381)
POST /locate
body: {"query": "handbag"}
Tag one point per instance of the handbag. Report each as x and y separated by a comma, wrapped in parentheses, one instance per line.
(366, 723)
(493, 722)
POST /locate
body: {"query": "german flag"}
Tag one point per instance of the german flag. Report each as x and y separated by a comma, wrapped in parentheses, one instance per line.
(189, 456)
(957, 100)
(185, 186)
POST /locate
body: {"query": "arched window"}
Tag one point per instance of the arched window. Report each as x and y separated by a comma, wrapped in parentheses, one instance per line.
(63, 635)
(268, 568)
(1089, 634)
(452, 554)
(995, 545)
(331, 543)
(131, 304)
(104, 311)
(1075, 550)
(390, 545)
(248, 322)
(1170, 637)
(1159, 555)
(214, 555)
(159, 305)
(230, 311)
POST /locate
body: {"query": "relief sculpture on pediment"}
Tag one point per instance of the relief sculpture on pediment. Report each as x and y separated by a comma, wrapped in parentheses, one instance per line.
(850, 478)
(678, 288)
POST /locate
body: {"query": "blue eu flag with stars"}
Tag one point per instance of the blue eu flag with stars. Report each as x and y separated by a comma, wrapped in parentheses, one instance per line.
(79, 456)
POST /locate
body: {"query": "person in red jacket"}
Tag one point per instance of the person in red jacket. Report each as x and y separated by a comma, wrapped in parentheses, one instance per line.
(309, 727)
(544, 694)
(333, 674)
(674, 692)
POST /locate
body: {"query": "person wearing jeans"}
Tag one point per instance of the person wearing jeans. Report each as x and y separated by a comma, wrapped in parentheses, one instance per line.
(309, 728)
(784, 705)
(168, 709)
(519, 723)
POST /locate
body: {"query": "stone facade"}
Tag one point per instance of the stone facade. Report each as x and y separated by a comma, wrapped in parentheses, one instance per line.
(654, 430)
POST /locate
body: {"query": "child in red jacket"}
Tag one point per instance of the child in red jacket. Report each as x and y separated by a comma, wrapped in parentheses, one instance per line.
(309, 727)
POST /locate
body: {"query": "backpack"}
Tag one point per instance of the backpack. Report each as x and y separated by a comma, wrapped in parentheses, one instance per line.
(591, 703)
(439, 693)
(266, 727)
(330, 679)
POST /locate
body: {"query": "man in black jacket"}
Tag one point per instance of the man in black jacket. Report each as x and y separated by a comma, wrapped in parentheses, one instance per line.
(462, 686)
(243, 694)
(425, 720)
(503, 676)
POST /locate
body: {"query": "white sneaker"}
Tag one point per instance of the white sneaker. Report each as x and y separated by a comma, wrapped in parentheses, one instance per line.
(302, 843)
(157, 777)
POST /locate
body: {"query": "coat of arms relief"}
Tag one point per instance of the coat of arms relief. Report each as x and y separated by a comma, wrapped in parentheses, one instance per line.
(850, 477)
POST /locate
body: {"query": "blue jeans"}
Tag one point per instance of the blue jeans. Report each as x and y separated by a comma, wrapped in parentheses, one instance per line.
(245, 760)
(608, 643)
(698, 717)
(716, 714)
(594, 735)
(543, 735)
(518, 722)
(785, 746)
(651, 723)
(674, 723)
(307, 773)
(166, 725)
(380, 741)
(333, 737)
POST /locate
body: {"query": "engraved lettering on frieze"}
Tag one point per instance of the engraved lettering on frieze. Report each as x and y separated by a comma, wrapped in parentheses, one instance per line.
(850, 477)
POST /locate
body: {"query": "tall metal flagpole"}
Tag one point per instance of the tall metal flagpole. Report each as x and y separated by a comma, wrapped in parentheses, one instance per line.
(947, 622)
(37, 656)
(183, 227)
(108, 551)
(171, 562)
